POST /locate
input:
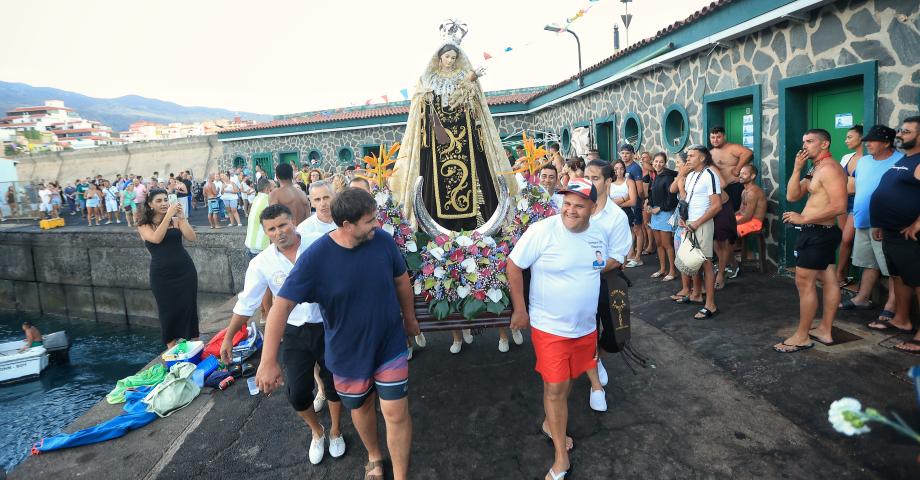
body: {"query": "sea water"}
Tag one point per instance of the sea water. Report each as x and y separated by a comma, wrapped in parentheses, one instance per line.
(100, 355)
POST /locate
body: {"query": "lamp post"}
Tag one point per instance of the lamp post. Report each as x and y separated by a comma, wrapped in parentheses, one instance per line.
(557, 29)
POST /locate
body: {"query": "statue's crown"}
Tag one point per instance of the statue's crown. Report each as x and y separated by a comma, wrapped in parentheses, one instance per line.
(453, 31)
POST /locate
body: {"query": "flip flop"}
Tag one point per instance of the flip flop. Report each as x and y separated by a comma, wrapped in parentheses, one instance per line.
(885, 316)
(913, 342)
(561, 475)
(846, 282)
(667, 278)
(707, 313)
(657, 274)
(822, 342)
(849, 305)
(794, 348)
(888, 327)
(550, 437)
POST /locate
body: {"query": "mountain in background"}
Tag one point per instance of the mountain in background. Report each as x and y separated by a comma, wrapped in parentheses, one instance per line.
(119, 112)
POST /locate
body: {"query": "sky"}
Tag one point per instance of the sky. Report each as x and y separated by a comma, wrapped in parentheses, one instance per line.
(278, 57)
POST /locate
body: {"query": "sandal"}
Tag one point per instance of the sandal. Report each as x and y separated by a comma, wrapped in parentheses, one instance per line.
(371, 466)
(657, 274)
(559, 476)
(706, 313)
(793, 348)
(885, 316)
(849, 305)
(888, 327)
(913, 342)
(550, 437)
(668, 278)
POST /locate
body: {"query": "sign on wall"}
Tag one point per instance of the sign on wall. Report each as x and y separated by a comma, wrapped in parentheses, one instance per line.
(747, 131)
(843, 120)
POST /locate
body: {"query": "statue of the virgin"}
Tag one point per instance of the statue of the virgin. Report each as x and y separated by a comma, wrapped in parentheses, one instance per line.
(451, 142)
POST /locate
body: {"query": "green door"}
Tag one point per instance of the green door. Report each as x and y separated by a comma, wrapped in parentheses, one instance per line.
(290, 158)
(606, 140)
(836, 110)
(735, 121)
(264, 160)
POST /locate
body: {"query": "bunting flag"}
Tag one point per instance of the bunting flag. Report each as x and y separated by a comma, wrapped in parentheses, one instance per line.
(486, 56)
(508, 49)
(385, 99)
(405, 93)
(368, 102)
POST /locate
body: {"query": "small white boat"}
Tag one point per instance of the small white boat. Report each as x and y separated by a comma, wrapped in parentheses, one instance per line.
(16, 366)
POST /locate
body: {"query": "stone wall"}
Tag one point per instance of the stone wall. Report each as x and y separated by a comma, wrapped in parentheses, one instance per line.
(839, 34)
(198, 154)
(105, 276)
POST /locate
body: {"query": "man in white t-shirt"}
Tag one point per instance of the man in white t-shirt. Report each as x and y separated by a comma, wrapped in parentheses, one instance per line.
(549, 178)
(612, 220)
(304, 343)
(560, 252)
(321, 199)
(704, 196)
(44, 194)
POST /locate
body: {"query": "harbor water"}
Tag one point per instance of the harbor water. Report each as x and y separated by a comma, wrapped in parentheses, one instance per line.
(101, 354)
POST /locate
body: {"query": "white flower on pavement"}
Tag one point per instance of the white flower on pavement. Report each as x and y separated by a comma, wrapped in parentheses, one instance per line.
(463, 291)
(846, 417)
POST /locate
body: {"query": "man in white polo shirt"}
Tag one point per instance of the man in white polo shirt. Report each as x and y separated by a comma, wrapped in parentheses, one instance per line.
(321, 199)
(561, 254)
(303, 344)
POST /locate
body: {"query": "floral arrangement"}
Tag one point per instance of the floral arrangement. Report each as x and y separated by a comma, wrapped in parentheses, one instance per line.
(464, 274)
(533, 205)
(848, 417)
(392, 221)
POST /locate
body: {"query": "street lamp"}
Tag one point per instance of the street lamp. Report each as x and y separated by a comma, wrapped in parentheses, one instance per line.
(557, 29)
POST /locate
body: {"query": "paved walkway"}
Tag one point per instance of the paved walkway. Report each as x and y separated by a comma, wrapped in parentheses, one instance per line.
(719, 403)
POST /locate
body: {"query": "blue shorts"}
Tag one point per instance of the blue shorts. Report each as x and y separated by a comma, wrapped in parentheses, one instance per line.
(637, 216)
(213, 206)
(660, 223)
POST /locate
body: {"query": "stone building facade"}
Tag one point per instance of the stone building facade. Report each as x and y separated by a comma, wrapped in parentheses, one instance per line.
(770, 68)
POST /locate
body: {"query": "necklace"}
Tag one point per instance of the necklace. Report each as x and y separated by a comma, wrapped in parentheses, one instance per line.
(443, 84)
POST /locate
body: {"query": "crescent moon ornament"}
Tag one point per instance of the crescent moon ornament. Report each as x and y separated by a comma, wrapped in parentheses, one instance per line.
(491, 227)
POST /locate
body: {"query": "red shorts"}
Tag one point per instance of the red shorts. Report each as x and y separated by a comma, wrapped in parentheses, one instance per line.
(560, 358)
(751, 226)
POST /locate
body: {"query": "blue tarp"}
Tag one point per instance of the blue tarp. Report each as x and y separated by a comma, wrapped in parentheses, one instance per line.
(135, 416)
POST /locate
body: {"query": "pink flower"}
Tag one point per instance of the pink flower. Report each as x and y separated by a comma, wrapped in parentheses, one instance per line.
(500, 266)
(476, 236)
(427, 269)
(400, 240)
(405, 230)
(538, 208)
(485, 273)
(474, 249)
(479, 295)
(455, 274)
(457, 255)
(485, 251)
(441, 240)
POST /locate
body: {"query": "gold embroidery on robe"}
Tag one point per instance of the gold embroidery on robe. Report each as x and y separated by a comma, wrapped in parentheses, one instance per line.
(456, 189)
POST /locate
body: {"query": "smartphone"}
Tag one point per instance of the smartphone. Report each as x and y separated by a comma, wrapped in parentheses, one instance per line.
(173, 199)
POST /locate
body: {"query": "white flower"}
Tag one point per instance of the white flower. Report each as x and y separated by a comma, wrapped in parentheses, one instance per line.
(464, 241)
(388, 228)
(437, 253)
(381, 198)
(411, 246)
(469, 264)
(522, 204)
(844, 416)
(494, 294)
(439, 272)
(417, 288)
(489, 241)
(463, 291)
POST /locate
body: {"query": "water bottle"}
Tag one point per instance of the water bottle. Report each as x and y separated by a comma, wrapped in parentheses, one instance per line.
(225, 383)
(253, 388)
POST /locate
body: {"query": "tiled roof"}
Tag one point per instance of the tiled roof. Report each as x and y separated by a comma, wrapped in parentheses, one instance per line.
(708, 9)
(363, 113)
(38, 109)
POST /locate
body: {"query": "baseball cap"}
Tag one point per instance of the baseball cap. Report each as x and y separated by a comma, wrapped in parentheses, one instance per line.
(582, 188)
(627, 148)
(880, 133)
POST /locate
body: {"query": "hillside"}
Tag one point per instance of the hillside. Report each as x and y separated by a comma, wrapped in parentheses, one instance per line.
(116, 112)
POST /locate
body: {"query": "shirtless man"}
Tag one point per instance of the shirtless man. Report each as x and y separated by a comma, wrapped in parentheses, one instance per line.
(211, 199)
(826, 186)
(290, 195)
(729, 158)
(33, 336)
(556, 157)
(753, 203)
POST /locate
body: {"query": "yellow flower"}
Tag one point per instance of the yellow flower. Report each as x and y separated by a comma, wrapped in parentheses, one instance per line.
(532, 161)
(378, 170)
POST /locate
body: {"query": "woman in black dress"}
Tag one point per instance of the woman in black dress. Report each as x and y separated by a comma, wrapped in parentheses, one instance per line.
(173, 277)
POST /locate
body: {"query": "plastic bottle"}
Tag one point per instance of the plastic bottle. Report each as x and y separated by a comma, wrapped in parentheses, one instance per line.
(253, 388)
(226, 383)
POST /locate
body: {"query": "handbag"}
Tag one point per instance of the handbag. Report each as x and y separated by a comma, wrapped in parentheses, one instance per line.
(690, 256)
(683, 206)
(674, 219)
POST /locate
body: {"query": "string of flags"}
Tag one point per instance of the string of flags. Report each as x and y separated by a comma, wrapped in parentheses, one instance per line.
(486, 56)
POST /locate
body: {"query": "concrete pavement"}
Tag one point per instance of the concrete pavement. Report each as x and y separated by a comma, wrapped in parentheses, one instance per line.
(718, 404)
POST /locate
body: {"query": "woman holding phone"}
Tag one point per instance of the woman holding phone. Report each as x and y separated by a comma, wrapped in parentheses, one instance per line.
(173, 277)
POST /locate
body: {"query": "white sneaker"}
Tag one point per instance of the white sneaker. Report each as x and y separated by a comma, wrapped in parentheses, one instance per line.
(517, 337)
(420, 340)
(602, 373)
(467, 336)
(117, 221)
(317, 449)
(336, 446)
(319, 402)
(598, 400)
(502, 345)
(455, 347)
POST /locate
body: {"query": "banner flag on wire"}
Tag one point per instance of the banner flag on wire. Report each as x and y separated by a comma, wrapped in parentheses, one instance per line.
(486, 56)
(405, 93)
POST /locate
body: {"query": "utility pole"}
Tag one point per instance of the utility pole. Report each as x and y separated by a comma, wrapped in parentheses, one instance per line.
(627, 19)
